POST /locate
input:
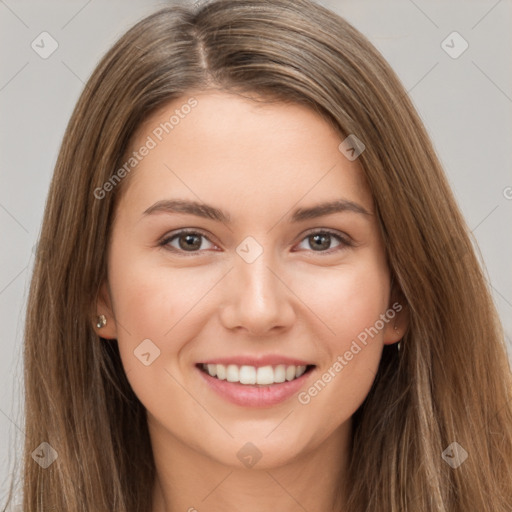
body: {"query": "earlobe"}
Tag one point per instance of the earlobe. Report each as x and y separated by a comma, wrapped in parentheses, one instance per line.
(397, 327)
(104, 321)
(399, 322)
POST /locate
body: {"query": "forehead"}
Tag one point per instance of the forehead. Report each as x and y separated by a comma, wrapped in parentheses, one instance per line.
(232, 149)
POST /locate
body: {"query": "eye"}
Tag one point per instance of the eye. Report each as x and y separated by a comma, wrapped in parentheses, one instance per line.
(321, 240)
(188, 241)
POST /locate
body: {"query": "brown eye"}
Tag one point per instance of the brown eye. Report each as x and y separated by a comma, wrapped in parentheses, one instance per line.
(187, 241)
(321, 241)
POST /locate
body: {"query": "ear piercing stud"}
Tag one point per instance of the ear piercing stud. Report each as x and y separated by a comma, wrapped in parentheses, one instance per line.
(101, 321)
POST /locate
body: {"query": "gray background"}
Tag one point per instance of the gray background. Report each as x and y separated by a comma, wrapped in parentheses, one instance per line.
(465, 103)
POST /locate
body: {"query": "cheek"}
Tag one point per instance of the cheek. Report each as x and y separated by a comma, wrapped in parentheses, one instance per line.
(347, 299)
(155, 302)
(350, 302)
(149, 295)
(155, 309)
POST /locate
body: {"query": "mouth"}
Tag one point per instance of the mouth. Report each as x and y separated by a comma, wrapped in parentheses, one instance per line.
(255, 376)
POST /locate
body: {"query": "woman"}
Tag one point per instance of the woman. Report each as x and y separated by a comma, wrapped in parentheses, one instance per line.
(257, 370)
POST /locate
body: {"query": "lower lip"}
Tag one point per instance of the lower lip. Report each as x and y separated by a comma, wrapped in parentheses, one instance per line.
(255, 396)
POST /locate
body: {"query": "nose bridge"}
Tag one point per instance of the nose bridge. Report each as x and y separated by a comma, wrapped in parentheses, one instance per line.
(257, 297)
(258, 284)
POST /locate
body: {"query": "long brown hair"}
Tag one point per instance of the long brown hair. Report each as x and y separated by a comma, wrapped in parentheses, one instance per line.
(450, 382)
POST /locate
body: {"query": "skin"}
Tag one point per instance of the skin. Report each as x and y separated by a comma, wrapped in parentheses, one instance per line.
(302, 298)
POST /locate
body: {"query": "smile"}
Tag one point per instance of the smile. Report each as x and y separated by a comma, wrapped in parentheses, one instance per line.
(254, 386)
(250, 375)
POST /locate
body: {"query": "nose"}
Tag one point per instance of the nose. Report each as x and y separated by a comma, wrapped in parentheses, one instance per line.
(257, 297)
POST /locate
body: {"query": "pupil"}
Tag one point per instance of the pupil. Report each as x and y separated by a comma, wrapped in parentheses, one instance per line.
(187, 244)
(325, 237)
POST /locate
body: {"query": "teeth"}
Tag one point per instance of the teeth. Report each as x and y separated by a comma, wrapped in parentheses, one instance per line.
(290, 372)
(264, 375)
(221, 371)
(232, 373)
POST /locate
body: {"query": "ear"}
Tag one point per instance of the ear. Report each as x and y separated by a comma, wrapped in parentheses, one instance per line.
(104, 307)
(398, 317)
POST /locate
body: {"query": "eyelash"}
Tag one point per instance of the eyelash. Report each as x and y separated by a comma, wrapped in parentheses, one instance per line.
(344, 241)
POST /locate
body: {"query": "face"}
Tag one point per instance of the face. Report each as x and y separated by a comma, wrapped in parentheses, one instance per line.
(259, 280)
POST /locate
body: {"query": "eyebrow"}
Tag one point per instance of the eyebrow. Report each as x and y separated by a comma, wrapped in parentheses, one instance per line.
(211, 212)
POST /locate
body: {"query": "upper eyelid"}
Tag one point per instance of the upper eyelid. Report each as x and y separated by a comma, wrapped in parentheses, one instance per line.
(193, 231)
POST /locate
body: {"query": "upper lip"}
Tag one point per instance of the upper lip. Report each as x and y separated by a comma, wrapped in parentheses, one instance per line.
(257, 361)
